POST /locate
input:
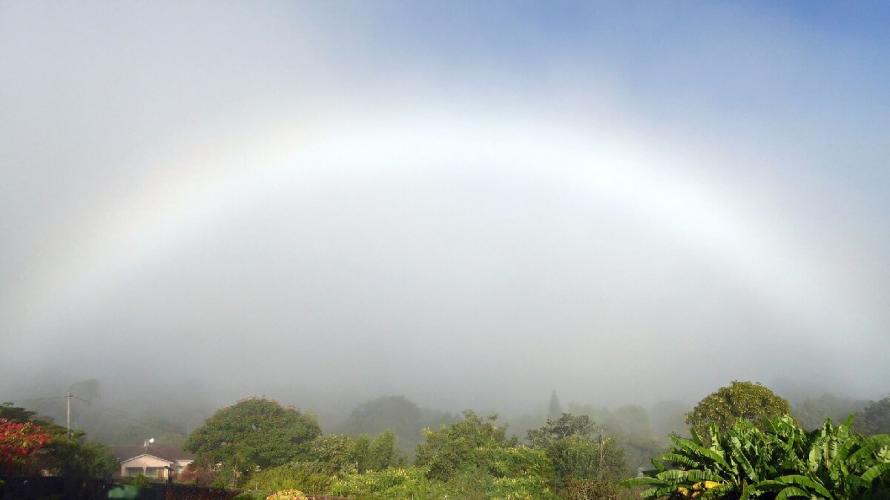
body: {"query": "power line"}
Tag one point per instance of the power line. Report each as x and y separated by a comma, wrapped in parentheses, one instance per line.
(107, 410)
(21, 401)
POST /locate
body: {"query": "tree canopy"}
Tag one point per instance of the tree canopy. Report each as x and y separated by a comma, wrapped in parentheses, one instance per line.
(253, 433)
(577, 451)
(50, 447)
(737, 401)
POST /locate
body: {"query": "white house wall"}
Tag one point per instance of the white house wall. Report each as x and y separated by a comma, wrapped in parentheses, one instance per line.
(146, 462)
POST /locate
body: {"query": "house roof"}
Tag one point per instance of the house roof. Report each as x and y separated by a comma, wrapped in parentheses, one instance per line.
(166, 452)
(147, 455)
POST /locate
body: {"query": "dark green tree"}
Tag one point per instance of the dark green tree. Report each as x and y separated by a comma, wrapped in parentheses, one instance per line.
(252, 434)
(738, 401)
(17, 413)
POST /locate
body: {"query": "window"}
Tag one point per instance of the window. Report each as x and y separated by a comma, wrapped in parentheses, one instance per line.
(133, 471)
(153, 471)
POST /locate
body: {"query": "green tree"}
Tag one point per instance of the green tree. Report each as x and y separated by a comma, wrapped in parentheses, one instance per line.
(737, 401)
(16, 413)
(382, 453)
(875, 418)
(408, 483)
(252, 434)
(67, 454)
(344, 453)
(458, 446)
(477, 453)
(577, 451)
(629, 426)
(81, 459)
(329, 457)
(312, 477)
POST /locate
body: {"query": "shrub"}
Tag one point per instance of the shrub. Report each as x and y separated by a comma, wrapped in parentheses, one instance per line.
(408, 483)
(287, 495)
(314, 477)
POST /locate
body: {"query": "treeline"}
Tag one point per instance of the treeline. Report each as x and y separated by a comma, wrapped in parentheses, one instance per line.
(725, 446)
(262, 447)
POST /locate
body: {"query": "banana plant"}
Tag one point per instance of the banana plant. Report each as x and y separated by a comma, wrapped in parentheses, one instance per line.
(781, 461)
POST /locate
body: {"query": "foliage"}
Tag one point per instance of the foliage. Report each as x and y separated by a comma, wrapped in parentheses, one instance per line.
(20, 443)
(291, 494)
(359, 454)
(601, 489)
(60, 452)
(379, 453)
(331, 456)
(252, 434)
(630, 428)
(875, 418)
(77, 458)
(414, 482)
(408, 483)
(457, 446)
(138, 481)
(474, 455)
(740, 400)
(199, 475)
(780, 461)
(576, 451)
(13, 413)
(314, 477)
(472, 458)
(396, 414)
(564, 426)
(251, 495)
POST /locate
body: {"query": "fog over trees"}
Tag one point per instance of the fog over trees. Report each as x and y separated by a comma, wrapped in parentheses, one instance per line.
(396, 216)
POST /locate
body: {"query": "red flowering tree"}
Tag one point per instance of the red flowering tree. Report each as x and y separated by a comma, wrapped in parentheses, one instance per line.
(19, 444)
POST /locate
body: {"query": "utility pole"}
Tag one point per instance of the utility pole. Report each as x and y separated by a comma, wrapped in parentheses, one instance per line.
(68, 414)
(602, 453)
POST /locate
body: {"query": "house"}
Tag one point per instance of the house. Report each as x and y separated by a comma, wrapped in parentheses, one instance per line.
(154, 461)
